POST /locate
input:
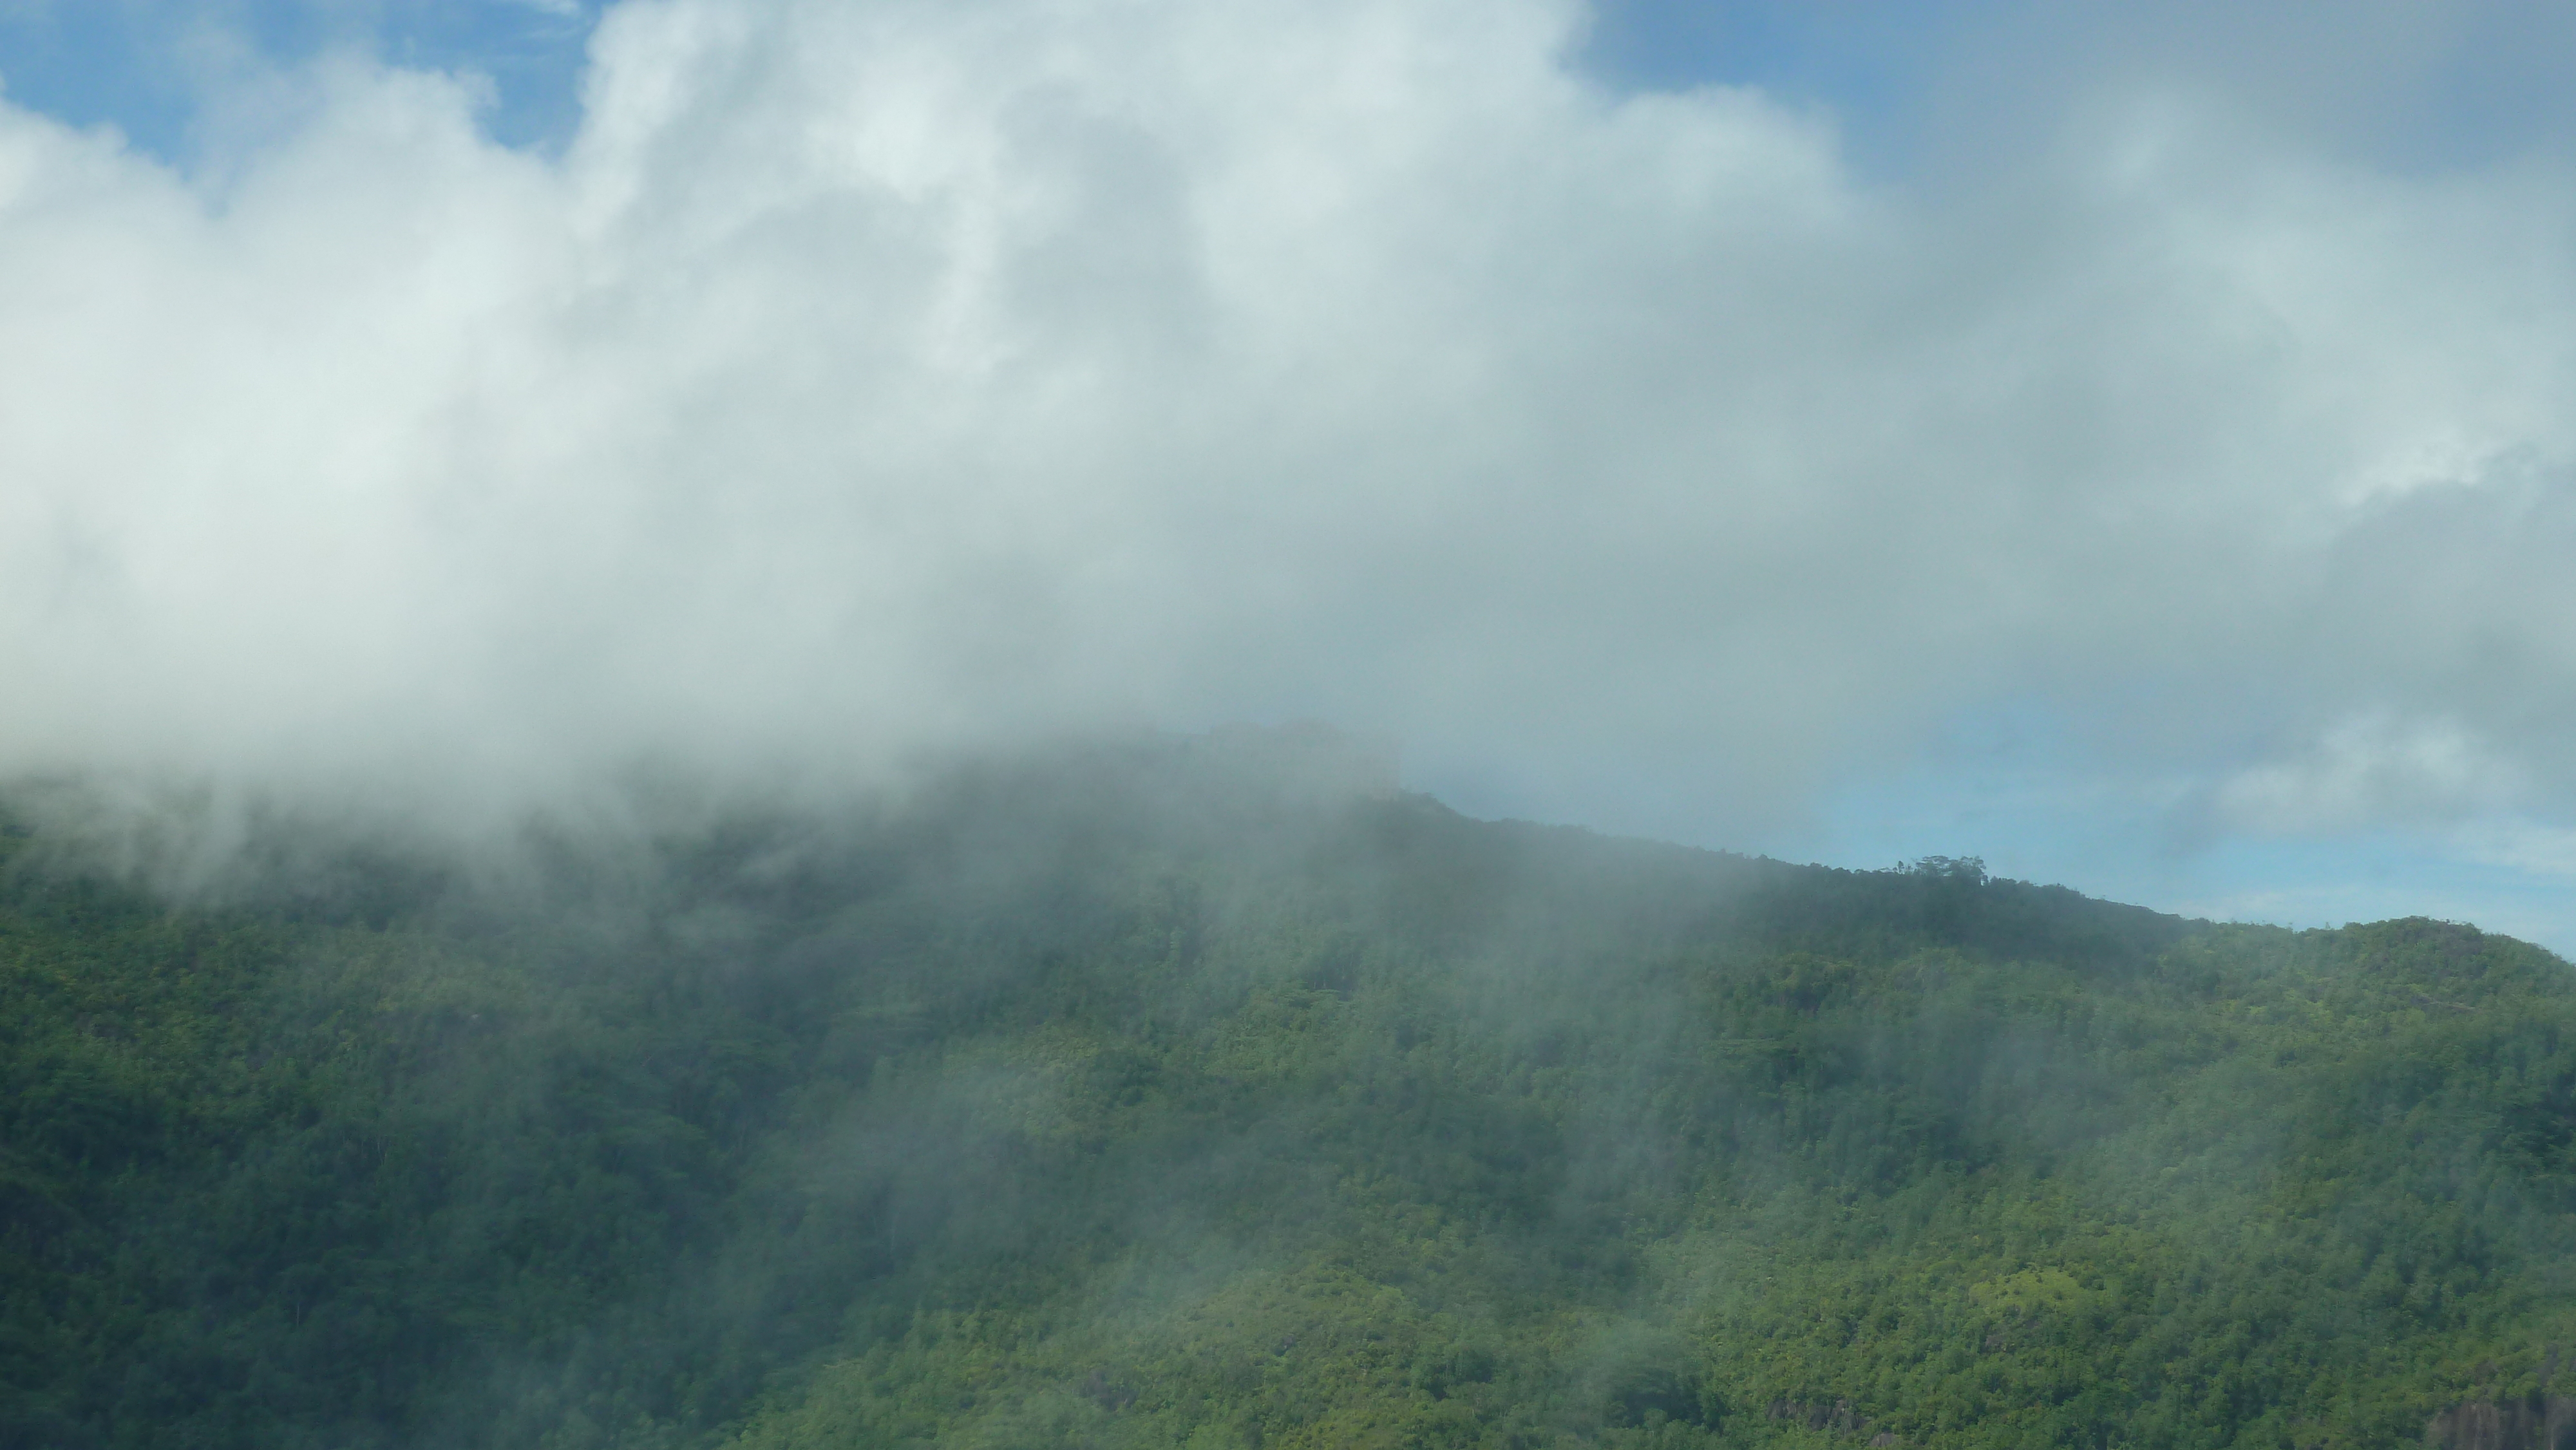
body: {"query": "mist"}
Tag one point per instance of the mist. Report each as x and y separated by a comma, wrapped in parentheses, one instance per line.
(1211, 1090)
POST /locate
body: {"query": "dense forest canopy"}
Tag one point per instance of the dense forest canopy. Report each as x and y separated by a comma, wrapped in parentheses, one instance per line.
(1211, 1092)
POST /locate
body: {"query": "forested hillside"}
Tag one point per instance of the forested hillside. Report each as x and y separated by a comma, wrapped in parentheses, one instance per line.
(1160, 1095)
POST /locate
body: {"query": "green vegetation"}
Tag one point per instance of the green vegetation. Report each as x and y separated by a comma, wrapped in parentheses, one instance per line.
(1141, 1100)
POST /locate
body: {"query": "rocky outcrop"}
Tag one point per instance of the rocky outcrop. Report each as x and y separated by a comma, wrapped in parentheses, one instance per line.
(1816, 1414)
(2534, 1422)
(1107, 1393)
(1833, 1415)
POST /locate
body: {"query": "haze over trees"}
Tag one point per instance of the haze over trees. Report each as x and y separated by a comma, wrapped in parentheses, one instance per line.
(583, 584)
(1203, 1092)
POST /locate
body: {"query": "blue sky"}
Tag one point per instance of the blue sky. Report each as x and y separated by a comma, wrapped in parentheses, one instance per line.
(2430, 85)
(2120, 443)
(147, 66)
(2469, 84)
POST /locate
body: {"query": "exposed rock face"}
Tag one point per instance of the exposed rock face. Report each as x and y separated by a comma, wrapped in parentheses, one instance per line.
(1817, 1414)
(2535, 1422)
(1836, 1416)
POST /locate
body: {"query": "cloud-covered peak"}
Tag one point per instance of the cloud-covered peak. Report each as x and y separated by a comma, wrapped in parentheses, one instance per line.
(864, 381)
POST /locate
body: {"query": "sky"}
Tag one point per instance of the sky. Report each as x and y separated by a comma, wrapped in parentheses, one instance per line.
(2128, 444)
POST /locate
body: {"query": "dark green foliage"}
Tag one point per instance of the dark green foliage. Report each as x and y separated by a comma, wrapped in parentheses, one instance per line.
(1144, 1099)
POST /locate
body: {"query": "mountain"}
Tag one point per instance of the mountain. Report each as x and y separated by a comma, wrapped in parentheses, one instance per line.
(1213, 1092)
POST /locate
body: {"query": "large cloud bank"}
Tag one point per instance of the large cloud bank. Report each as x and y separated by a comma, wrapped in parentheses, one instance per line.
(871, 379)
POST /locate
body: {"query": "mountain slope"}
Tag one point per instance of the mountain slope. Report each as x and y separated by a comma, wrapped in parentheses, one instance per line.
(1168, 1095)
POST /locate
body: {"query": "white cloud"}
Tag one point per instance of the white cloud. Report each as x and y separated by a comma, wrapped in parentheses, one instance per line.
(2368, 771)
(2525, 847)
(868, 378)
